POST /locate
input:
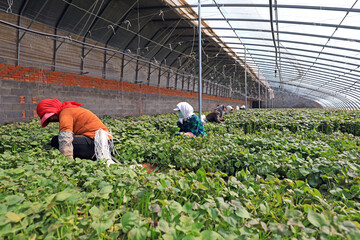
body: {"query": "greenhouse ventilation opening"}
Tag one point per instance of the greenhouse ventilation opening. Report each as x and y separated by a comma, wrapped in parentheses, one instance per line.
(257, 51)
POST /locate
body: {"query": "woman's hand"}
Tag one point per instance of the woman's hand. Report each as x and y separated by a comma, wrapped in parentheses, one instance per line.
(190, 134)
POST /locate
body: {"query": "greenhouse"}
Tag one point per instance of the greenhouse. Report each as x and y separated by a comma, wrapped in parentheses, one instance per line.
(179, 119)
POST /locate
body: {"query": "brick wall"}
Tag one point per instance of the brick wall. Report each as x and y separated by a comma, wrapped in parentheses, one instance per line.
(21, 88)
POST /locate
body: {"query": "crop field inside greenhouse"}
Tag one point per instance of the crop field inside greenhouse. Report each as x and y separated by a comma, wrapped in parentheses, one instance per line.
(261, 174)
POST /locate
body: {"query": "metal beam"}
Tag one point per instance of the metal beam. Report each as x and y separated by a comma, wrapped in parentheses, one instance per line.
(316, 89)
(295, 42)
(242, 5)
(331, 71)
(266, 21)
(280, 32)
(261, 56)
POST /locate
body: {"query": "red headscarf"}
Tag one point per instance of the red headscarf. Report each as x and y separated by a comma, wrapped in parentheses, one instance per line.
(54, 106)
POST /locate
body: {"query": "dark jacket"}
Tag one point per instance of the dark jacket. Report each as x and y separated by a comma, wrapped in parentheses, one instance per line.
(213, 117)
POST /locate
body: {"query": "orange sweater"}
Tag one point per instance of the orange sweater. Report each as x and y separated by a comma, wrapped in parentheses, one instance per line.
(80, 121)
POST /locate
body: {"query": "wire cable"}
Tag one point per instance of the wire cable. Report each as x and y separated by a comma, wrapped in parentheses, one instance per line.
(273, 36)
(347, 13)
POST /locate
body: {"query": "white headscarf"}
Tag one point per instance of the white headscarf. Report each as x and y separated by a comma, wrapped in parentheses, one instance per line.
(186, 109)
(228, 109)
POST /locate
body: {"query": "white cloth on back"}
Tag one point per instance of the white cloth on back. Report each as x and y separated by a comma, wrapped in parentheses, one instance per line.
(102, 147)
(65, 143)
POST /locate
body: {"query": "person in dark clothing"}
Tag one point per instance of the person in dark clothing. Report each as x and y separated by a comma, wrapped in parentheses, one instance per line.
(213, 117)
(221, 109)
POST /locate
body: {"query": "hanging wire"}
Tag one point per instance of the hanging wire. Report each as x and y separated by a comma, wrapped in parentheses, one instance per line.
(232, 28)
(115, 24)
(91, 8)
(138, 23)
(10, 4)
(273, 37)
(347, 13)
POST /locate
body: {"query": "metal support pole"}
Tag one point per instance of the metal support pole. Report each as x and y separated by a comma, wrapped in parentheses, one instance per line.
(168, 80)
(82, 58)
(149, 75)
(105, 56)
(182, 83)
(188, 85)
(159, 77)
(137, 70)
(266, 99)
(176, 79)
(122, 68)
(200, 69)
(55, 51)
(18, 43)
(259, 87)
(246, 106)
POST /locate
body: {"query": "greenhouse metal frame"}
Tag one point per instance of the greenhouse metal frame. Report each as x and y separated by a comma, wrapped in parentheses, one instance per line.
(302, 48)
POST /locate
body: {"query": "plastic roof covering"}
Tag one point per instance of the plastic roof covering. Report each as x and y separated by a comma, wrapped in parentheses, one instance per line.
(317, 44)
(137, 27)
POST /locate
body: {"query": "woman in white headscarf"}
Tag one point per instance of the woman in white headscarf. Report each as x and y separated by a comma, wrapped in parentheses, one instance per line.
(228, 109)
(189, 123)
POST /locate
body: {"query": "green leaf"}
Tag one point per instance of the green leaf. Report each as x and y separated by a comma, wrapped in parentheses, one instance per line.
(242, 212)
(208, 234)
(316, 192)
(354, 235)
(187, 208)
(137, 234)
(106, 190)
(18, 170)
(230, 220)
(304, 171)
(13, 217)
(291, 213)
(129, 220)
(168, 236)
(317, 219)
(64, 195)
(201, 186)
(5, 229)
(175, 208)
(163, 226)
(221, 203)
(191, 237)
(96, 212)
(101, 226)
(263, 208)
(349, 226)
(3, 209)
(186, 224)
(14, 199)
(213, 212)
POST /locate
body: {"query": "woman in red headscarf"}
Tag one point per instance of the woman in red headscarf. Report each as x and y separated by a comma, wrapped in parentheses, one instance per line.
(77, 127)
